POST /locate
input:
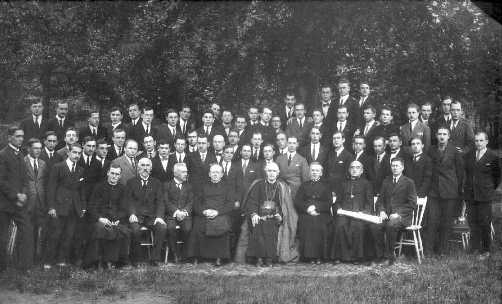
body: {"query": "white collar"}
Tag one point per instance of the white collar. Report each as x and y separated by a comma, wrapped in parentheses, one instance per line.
(145, 125)
(359, 154)
(48, 152)
(340, 150)
(395, 153)
(37, 118)
(14, 148)
(292, 154)
(69, 163)
(31, 159)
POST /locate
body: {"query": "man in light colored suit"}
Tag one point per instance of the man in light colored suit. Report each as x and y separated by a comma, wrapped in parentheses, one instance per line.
(127, 162)
(293, 167)
(414, 128)
(298, 125)
(37, 174)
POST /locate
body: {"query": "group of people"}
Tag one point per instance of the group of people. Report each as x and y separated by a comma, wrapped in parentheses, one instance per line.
(263, 188)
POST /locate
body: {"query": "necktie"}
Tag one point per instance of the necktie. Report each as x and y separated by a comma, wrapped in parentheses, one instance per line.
(395, 180)
(313, 152)
(51, 155)
(173, 130)
(120, 152)
(179, 186)
(339, 126)
(226, 168)
(255, 156)
(478, 153)
(379, 158)
(183, 127)
(60, 123)
(365, 130)
(73, 168)
(149, 154)
(203, 157)
(147, 129)
(415, 158)
(143, 183)
(411, 128)
(94, 132)
(244, 167)
(289, 159)
(179, 158)
(88, 162)
(300, 123)
(35, 167)
(133, 164)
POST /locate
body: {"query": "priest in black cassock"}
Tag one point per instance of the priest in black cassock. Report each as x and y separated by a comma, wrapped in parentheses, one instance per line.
(313, 202)
(210, 237)
(356, 194)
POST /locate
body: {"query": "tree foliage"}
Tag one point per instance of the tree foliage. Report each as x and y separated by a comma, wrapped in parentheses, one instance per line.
(236, 53)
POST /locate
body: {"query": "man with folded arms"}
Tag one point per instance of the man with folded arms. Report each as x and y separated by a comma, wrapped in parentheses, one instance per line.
(179, 207)
(396, 202)
(110, 235)
(146, 204)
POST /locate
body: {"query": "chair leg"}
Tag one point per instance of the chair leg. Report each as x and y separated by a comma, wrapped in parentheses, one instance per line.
(400, 245)
(420, 243)
(167, 254)
(415, 241)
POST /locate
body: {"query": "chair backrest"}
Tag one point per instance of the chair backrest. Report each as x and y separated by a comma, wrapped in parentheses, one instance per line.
(419, 215)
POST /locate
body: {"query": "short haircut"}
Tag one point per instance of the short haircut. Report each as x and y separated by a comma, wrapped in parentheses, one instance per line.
(253, 107)
(228, 147)
(457, 102)
(13, 130)
(315, 128)
(386, 108)
(246, 145)
(118, 130)
(317, 110)
(343, 107)
(233, 131)
(116, 109)
(215, 165)
(481, 133)
(92, 111)
(32, 99)
(202, 136)
(208, 111)
(395, 134)
(75, 145)
(446, 97)
(100, 142)
(179, 138)
(379, 138)
(163, 142)
(263, 109)
(272, 164)
(130, 140)
(427, 103)
(443, 128)
(257, 133)
(316, 163)
(344, 80)
(397, 159)
(416, 138)
(70, 129)
(147, 136)
(186, 106)
(300, 104)
(414, 106)
(325, 85)
(146, 108)
(169, 111)
(133, 104)
(50, 133)
(88, 138)
(193, 131)
(370, 107)
(61, 101)
(239, 116)
(338, 132)
(366, 82)
(33, 141)
(114, 166)
(358, 137)
(289, 93)
(269, 145)
(178, 166)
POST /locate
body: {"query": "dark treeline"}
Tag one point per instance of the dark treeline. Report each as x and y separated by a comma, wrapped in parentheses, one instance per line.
(167, 53)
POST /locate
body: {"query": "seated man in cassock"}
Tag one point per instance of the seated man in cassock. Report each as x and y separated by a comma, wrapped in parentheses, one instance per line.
(264, 211)
(146, 205)
(313, 202)
(210, 237)
(396, 202)
(110, 236)
(356, 194)
(179, 207)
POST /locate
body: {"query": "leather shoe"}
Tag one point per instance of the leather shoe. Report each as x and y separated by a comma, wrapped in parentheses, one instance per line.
(217, 262)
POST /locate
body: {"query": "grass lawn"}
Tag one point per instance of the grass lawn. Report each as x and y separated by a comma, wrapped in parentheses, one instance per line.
(458, 278)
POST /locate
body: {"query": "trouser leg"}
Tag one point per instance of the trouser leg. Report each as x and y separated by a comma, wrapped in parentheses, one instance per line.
(448, 215)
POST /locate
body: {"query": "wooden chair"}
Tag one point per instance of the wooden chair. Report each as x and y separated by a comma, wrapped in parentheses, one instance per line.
(179, 242)
(147, 240)
(412, 235)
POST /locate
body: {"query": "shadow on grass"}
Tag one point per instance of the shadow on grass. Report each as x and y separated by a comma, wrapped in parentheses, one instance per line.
(455, 279)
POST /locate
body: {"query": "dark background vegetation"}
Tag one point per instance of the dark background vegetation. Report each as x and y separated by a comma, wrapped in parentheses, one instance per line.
(238, 53)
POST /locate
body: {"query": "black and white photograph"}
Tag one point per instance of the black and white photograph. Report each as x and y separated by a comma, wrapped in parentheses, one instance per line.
(250, 152)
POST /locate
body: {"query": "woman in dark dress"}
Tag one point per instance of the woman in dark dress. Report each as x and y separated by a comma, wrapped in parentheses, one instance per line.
(264, 210)
(209, 238)
(313, 202)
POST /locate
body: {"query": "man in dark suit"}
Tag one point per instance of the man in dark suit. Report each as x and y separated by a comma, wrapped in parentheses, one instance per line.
(328, 107)
(365, 100)
(233, 142)
(170, 130)
(242, 129)
(482, 178)
(444, 119)
(368, 128)
(387, 126)
(338, 161)
(66, 205)
(115, 123)
(117, 147)
(191, 137)
(446, 190)
(70, 138)
(134, 113)
(420, 168)
(102, 164)
(144, 128)
(37, 176)
(161, 166)
(300, 124)
(35, 126)
(314, 151)
(249, 170)
(93, 127)
(287, 111)
(362, 156)
(13, 200)
(49, 154)
(380, 165)
(146, 207)
(227, 121)
(344, 125)
(149, 145)
(396, 150)
(186, 122)
(209, 128)
(198, 164)
(428, 119)
(461, 133)
(281, 144)
(324, 128)
(60, 123)
(267, 132)
(396, 202)
(179, 155)
(256, 147)
(179, 207)
(344, 99)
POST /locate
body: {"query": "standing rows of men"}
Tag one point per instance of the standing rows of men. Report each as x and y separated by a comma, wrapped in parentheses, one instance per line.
(78, 194)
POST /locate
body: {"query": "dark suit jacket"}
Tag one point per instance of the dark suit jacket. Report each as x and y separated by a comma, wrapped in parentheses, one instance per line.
(351, 107)
(421, 172)
(215, 129)
(358, 118)
(234, 180)
(56, 158)
(337, 167)
(36, 185)
(293, 129)
(91, 176)
(267, 133)
(65, 190)
(13, 179)
(348, 133)
(322, 156)
(53, 125)
(110, 129)
(147, 202)
(158, 170)
(420, 130)
(371, 134)
(400, 198)
(447, 173)
(482, 176)
(366, 159)
(108, 201)
(284, 115)
(326, 138)
(164, 132)
(462, 136)
(112, 154)
(31, 130)
(178, 199)
(101, 169)
(138, 133)
(253, 171)
(379, 171)
(190, 125)
(385, 130)
(198, 170)
(102, 133)
(173, 160)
